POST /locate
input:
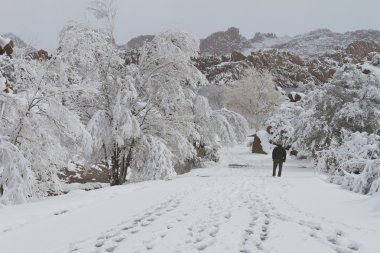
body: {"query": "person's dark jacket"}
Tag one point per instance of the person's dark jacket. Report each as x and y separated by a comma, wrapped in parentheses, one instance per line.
(279, 153)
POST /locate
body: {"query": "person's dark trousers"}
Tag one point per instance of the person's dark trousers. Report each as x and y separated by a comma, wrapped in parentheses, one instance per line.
(275, 163)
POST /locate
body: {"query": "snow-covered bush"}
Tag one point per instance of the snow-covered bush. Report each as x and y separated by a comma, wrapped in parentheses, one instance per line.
(338, 124)
(16, 176)
(350, 101)
(376, 60)
(353, 162)
(280, 129)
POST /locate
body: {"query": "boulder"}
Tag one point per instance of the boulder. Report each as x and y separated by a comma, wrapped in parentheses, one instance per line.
(237, 56)
(40, 55)
(294, 97)
(256, 146)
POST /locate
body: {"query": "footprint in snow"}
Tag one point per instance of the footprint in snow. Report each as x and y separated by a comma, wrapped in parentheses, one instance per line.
(61, 212)
(111, 249)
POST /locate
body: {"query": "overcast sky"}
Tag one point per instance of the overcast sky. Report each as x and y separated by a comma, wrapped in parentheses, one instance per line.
(38, 22)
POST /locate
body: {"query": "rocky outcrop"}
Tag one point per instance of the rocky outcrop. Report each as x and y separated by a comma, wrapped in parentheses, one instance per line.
(40, 55)
(6, 46)
(261, 37)
(288, 69)
(79, 174)
(222, 43)
(220, 72)
(308, 58)
(358, 50)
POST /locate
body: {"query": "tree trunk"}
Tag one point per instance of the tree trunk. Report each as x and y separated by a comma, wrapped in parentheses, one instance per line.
(120, 164)
(115, 166)
(127, 162)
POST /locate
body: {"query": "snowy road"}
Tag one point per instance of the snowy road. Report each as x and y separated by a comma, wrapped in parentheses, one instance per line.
(217, 209)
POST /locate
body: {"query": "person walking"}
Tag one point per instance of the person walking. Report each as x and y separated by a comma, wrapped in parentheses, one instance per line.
(279, 157)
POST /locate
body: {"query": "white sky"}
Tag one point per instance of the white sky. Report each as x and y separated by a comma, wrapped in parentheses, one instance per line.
(38, 22)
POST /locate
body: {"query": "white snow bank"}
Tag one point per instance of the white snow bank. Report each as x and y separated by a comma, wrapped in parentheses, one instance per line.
(216, 209)
(85, 187)
(374, 202)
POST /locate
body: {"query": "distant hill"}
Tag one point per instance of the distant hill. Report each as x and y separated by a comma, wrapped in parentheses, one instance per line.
(137, 42)
(312, 44)
(324, 41)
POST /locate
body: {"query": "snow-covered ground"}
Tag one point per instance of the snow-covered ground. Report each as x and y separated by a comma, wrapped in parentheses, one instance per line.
(214, 209)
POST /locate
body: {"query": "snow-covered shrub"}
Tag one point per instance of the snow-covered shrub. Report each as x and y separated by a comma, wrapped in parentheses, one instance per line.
(16, 176)
(376, 60)
(350, 101)
(280, 129)
(353, 162)
(338, 124)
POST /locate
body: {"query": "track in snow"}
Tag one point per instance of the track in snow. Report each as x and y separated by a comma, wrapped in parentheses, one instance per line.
(216, 209)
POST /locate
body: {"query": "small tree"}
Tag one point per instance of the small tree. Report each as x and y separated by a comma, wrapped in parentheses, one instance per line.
(254, 96)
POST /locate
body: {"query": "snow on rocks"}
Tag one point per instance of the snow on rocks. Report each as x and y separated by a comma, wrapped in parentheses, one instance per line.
(264, 138)
(6, 46)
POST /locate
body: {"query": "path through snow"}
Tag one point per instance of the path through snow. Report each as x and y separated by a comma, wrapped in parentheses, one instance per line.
(215, 209)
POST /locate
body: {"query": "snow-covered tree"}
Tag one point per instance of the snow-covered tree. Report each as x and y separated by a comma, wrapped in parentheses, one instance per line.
(167, 86)
(102, 92)
(37, 127)
(85, 102)
(105, 10)
(254, 96)
(113, 126)
(172, 108)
